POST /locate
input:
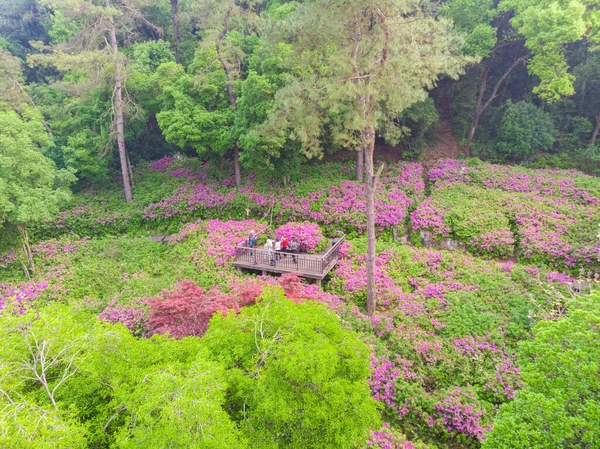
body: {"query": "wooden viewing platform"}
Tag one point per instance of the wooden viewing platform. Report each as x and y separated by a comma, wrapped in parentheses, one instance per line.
(312, 266)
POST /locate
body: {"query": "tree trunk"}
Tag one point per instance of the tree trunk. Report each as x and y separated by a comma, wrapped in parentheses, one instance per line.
(130, 171)
(367, 144)
(176, 30)
(26, 248)
(236, 163)
(596, 130)
(360, 157)
(480, 106)
(119, 110)
(232, 100)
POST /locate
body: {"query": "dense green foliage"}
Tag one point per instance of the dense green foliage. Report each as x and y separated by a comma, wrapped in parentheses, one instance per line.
(559, 405)
(444, 346)
(70, 381)
(214, 117)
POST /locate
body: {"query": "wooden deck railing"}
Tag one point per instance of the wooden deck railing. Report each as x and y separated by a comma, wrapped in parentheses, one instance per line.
(309, 264)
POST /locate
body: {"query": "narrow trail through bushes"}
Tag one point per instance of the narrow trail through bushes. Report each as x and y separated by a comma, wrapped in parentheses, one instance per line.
(446, 145)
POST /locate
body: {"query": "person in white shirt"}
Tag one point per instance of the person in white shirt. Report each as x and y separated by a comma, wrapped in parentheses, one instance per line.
(269, 248)
(277, 249)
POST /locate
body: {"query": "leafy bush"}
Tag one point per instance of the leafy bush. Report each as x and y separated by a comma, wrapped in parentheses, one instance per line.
(308, 234)
(296, 377)
(187, 310)
(559, 405)
(524, 130)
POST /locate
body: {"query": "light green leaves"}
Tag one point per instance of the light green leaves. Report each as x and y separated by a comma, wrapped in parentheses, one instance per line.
(559, 405)
(31, 189)
(296, 377)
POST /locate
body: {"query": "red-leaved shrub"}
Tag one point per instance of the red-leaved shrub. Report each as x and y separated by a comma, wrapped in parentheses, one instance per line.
(187, 310)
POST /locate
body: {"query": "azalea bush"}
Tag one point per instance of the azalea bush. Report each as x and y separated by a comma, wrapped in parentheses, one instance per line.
(542, 216)
(559, 404)
(445, 336)
(309, 236)
(173, 191)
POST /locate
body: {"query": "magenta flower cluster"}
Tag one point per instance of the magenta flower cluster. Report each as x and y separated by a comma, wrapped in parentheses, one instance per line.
(383, 380)
(385, 438)
(18, 299)
(308, 234)
(51, 249)
(497, 242)
(429, 217)
(134, 317)
(460, 414)
(161, 165)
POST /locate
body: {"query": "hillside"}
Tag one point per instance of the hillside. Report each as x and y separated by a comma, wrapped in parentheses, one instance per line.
(443, 346)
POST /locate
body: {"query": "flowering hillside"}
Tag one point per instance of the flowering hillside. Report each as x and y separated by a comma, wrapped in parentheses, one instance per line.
(539, 216)
(443, 345)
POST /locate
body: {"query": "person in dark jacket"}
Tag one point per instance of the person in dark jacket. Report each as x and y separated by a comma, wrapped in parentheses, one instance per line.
(294, 248)
(252, 242)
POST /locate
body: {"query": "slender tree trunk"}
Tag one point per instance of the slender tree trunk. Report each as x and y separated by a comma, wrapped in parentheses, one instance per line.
(480, 106)
(367, 145)
(232, 100)
(129, 169)
(596, 130)
(119, 110)
(26, 248)
(176, 30)
(236, 163)
(360, 157)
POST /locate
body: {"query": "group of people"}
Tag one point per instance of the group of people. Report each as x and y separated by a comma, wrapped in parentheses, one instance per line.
(277, 248)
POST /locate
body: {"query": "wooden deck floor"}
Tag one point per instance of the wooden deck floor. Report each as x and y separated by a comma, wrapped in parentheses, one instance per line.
(305, 265)
(284, 265)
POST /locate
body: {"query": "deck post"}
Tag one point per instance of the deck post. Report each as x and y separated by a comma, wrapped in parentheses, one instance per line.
(264, 272)
(318, 282)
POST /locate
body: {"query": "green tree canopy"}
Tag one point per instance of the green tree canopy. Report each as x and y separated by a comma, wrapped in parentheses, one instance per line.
(295, 377)
(31, 188)
(69, 381)
(559, 405)
(525, 129)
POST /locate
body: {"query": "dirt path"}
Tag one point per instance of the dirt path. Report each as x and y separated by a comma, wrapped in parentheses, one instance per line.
(446, 146)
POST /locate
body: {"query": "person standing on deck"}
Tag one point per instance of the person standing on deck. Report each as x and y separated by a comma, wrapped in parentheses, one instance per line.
(277, 249)
(269, 246)
(294, 246)
(284, 246)
(252, 243)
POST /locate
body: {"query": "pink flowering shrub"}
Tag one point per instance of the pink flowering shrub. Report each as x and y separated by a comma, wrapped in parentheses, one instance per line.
(460, 413)
(551, 214)
(308, 234)
(7, 259)
(386, 438)
(161, 165)
(430, 218)
(134, 317)
(21, 297)
(444, 336)
(497, 242)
